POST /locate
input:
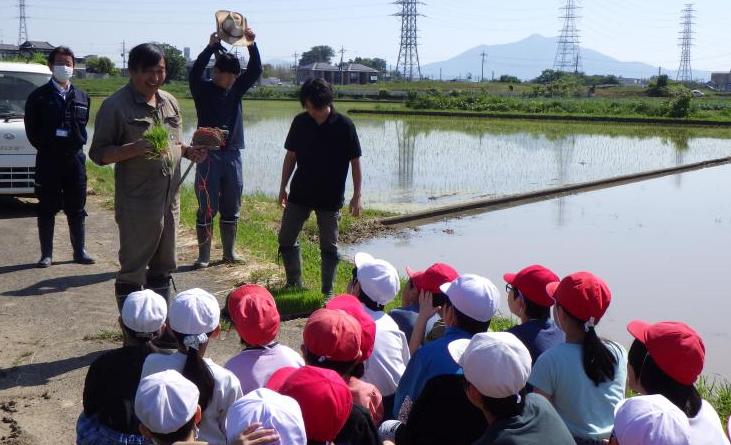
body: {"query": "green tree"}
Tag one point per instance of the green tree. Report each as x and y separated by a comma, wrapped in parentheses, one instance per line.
(506, 78)
(36, 57)
(174, 62)
(102, 65)
(375, 63)
(548, 76)
(321, 53)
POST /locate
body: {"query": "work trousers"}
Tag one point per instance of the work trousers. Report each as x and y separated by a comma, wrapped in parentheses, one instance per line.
(60, 184)
(293, 219)
(147, 236)
(218, 187)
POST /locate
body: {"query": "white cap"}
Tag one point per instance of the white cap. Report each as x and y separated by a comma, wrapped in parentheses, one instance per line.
(473, 295)
(497, 363)
(378, 278)
(272, 410)
(144, 311)
(194, 312)
(166, 401)
(650, 420)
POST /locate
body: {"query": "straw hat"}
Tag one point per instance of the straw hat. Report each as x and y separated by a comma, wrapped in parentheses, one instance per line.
(230, 27)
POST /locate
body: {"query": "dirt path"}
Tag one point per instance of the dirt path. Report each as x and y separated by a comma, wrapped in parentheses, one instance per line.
(55, 321)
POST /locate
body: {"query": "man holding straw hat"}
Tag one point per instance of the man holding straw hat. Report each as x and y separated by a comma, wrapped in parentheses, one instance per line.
(218, 181)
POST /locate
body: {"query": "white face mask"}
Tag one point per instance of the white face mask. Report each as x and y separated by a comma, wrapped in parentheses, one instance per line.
(62, 72)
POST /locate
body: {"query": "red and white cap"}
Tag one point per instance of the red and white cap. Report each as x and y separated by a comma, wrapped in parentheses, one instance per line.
(270, 409)
(497, 363)
(194, 312)
(324, 398)
(166, 401)
(433, 277)
(332, 334)
(254, 314)
(531, 282)
(650, 420)
(583, 295)
(354, 308)
(675, 347)
(473, 295)
(144, 311)
(378, 278)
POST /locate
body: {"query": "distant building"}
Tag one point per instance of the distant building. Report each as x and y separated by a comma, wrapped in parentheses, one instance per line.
(632, 82)
(25, 49)
(186, 54)
(350, 74)
(722, 81)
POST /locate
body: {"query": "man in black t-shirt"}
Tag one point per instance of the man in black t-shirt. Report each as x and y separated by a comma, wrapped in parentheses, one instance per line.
(322, 144)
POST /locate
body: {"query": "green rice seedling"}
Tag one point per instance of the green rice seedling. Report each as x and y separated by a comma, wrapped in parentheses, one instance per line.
(158, 137)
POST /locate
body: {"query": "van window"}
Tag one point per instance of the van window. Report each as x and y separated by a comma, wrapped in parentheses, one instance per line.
(15, 88)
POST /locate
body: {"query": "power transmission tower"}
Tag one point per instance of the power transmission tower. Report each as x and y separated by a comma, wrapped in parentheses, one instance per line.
(568, 54)
(483, 54)
(408, 53)
(295, 66)
(22, 25)
(685, 73)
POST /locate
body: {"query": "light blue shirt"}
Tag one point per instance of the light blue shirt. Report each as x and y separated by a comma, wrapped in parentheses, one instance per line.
(587, 409)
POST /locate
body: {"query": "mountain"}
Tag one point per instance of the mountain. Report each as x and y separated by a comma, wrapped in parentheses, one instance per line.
(528, 57)
(279, 62)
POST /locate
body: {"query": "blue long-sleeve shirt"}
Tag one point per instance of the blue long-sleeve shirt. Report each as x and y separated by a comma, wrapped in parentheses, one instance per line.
(218, 107)
(429, 361)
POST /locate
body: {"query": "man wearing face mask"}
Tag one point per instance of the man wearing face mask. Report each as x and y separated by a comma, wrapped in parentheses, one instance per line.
(218, 180)
(146, 187)
(55, 123)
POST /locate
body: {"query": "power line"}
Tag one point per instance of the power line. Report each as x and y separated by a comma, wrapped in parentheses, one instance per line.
(568, 54)
(685, 73)
(408, 54)
(483, 54)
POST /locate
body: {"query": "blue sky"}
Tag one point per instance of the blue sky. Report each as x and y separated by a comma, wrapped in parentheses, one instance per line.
(629, 30)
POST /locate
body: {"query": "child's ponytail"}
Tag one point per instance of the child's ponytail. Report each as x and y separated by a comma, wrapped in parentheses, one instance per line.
(599, 362)
(196, 370)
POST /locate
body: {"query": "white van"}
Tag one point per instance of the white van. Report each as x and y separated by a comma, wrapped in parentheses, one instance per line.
(17, 155)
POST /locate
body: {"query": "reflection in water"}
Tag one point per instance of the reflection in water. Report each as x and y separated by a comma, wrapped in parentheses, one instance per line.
(663, 249)
(565, 154)
(406, 146)
(412, 163)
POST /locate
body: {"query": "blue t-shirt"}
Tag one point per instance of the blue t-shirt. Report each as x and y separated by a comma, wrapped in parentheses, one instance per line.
(587, 409)
(538, 336)
(429, 361)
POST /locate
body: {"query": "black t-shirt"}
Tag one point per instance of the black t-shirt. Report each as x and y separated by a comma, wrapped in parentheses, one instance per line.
(359, 429)
(323, 154)
(442, 414)
(111, 385)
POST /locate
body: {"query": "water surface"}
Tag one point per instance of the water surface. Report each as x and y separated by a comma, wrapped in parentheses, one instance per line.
(663, 246)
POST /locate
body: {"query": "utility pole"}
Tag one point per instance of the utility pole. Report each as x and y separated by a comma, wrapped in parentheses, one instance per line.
(294, 67)
(440, 74)
(685, 73)
(22, 25)
(342, 61)
(124, 54)
(482, 73)
(568, 54)
(408, 54)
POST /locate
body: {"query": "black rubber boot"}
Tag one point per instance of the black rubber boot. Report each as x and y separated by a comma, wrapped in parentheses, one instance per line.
(77, 233)
(205, 236)
(328, 268)
(228, 240)
(45, 235)
(121, 290)
(292, 259)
